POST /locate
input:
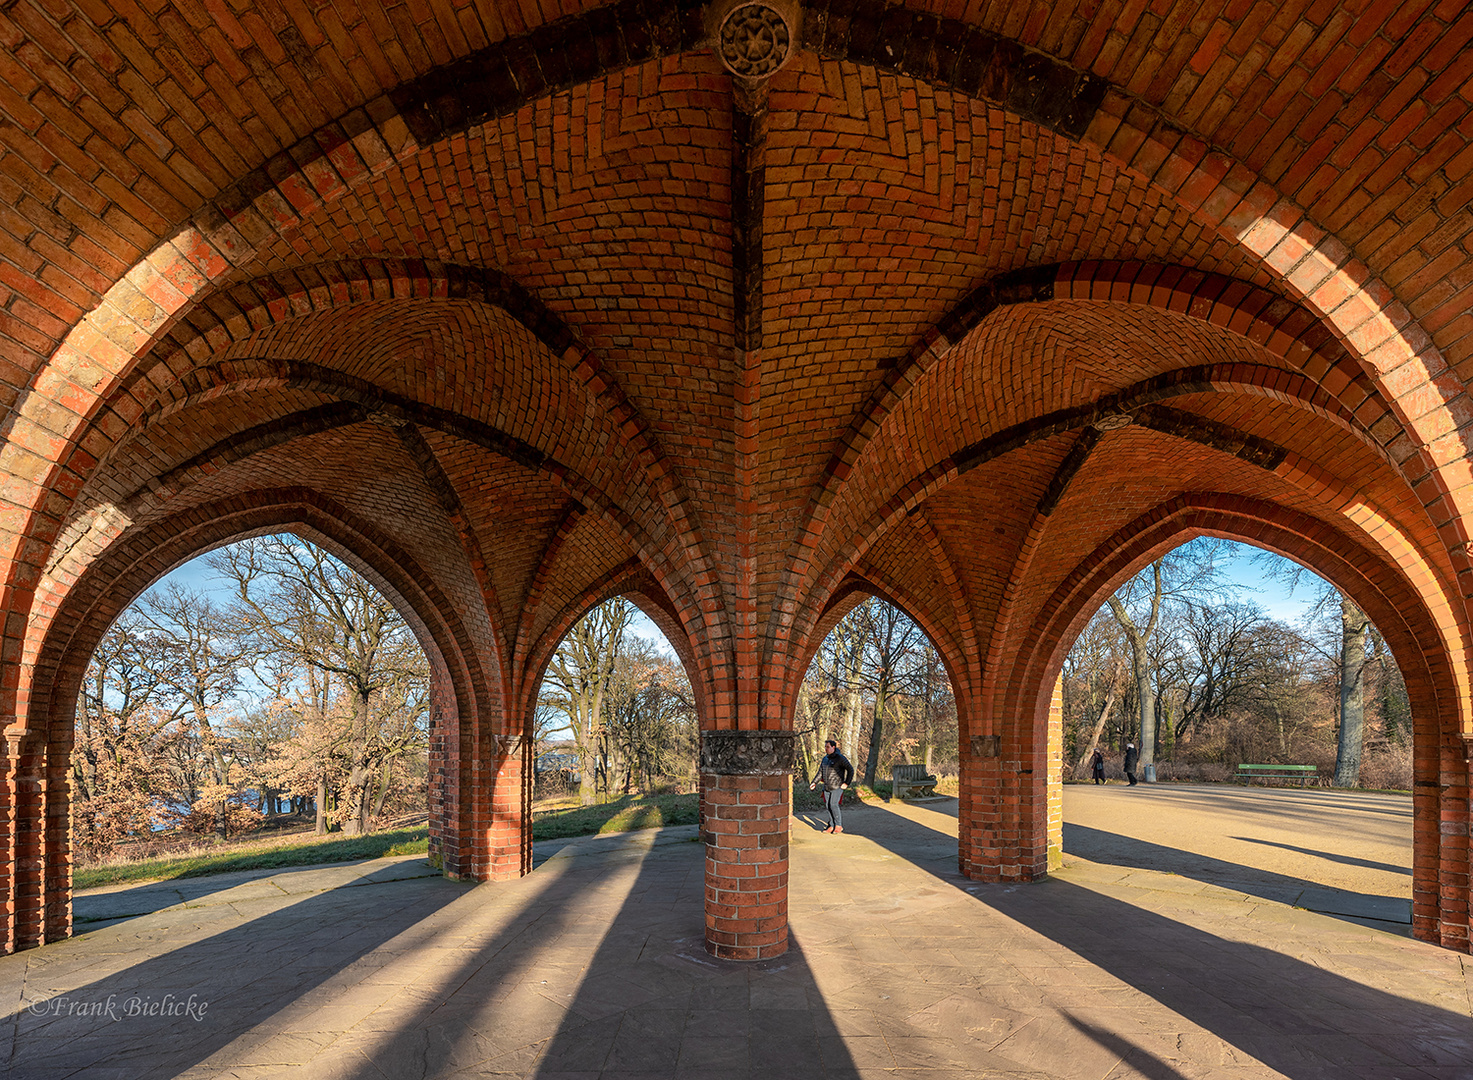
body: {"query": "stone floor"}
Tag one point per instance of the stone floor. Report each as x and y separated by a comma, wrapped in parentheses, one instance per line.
(593, 965)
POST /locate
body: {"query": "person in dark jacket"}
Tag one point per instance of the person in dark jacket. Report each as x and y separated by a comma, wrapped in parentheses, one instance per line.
(1132, 755)
(834, 775)
(1097, 765)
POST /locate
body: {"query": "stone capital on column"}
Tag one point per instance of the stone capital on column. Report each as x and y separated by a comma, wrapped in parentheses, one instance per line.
(747, 753)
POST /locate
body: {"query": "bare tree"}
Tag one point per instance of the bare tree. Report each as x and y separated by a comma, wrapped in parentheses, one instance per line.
(1220, 646)
(1354, 631)
(1188, 573)
(196, 655)
(301, 605)
(652, 722)
(578, 680)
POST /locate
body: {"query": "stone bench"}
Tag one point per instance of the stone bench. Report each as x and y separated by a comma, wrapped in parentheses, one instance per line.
(1302, 773)
(910, 781)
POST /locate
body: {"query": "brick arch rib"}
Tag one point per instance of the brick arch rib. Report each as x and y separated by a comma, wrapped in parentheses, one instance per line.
(1411, 628)
(1329, 381)
(465, 702)
(219, 317)
(1343, 298)
(631, 580)
(494, 81)
(362, 402)
(852, 591)
(1142, 403)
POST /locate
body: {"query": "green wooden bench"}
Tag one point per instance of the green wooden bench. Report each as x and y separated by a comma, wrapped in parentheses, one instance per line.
(908, 781)
(1302, 773)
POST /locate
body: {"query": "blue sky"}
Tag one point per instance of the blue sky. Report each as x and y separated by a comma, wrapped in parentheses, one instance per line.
(1255, 582)
(1250, 575)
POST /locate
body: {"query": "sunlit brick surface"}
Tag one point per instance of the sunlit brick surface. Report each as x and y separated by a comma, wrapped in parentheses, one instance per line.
(518, 307)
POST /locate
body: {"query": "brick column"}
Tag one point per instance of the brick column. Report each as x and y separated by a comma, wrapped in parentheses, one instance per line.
(1003, 822)
(1055, 783)
(979, 813)
(10, 748)
(747, 781)
(509, 837)
(57, 848)
(28, 817)
(1455, 826)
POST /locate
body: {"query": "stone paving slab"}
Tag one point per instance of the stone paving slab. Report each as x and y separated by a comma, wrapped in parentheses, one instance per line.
(593, 966)
(110, 902)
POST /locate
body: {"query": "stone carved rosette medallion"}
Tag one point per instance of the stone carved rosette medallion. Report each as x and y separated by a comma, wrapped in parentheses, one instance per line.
(754, 41)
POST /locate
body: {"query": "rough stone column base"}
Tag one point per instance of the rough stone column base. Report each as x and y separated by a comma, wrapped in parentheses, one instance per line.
(747, 785)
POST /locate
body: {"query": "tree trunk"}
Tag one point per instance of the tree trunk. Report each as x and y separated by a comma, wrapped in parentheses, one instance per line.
(1104, 718)
(322, 802)
(386, 777)
(877, 731)
(1146, 690)
(1353, 627)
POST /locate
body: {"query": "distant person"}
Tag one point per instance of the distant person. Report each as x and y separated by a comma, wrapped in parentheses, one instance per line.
(1097, 765)
(1132, 755)
(834, 774)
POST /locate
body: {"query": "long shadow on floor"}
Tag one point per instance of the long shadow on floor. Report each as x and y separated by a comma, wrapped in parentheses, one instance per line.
(613, 977)
(178, 1007)
(658, 1005)
(1297, 1018)
(93, 910)
(1347, 860)
(1115, 849)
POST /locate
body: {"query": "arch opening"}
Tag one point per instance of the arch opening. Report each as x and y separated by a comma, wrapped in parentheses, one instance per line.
(454, 702)
(265, 690)
(879, 686)
(615, 723)
(1409, 630)
(1219, 671)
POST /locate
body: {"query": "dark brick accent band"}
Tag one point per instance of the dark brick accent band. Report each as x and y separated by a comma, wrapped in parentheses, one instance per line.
(1072, 463)
(949, 53)
(1031, 284)
(1183, 425)
(383, 407)
(747, 753)
(748, 179)
(1199, 429)
(476, 283)
(501, 78)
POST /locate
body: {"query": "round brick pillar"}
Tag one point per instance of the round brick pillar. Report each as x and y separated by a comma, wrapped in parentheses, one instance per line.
(747, 787)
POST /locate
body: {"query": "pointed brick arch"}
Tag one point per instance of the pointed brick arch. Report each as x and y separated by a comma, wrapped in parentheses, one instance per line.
(1415, 632)
(1098, 83)
(1321, 375)
(468, 717)
(1432, 569)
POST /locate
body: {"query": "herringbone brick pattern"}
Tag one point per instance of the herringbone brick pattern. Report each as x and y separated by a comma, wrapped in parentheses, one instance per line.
(521, 306)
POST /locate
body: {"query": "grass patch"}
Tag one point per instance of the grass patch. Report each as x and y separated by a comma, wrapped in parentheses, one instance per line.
(301, 853)
(622, 815)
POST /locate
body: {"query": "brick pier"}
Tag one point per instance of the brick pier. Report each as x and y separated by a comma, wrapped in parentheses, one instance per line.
(745, 311)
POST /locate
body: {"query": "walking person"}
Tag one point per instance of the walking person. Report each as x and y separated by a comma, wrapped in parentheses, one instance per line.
(835, 774)
(1097, 765)
(1132, 755)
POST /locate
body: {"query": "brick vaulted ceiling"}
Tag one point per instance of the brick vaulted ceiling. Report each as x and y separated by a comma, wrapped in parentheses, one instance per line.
(557, 304)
